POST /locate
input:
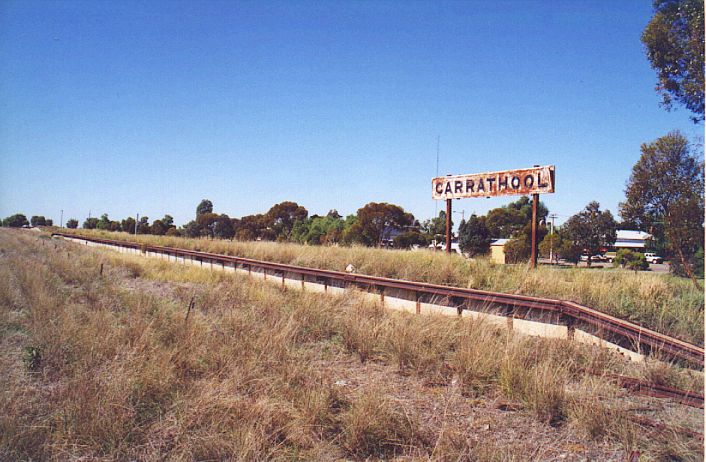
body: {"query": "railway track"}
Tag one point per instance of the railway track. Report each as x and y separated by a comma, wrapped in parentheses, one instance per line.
(573, 316)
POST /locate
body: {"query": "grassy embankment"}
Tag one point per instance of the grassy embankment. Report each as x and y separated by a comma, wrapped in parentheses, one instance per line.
(115, 366)
(658, 301)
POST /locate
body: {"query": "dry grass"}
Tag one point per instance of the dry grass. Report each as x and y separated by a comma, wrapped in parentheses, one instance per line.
(662, 302)
(110, 367)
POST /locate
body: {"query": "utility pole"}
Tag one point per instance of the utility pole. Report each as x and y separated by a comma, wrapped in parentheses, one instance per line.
(551, 240)
(61, 225)
(137, 220)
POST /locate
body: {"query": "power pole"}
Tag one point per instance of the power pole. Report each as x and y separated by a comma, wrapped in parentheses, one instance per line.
(551, 240)
(137, 220)
(61, 222)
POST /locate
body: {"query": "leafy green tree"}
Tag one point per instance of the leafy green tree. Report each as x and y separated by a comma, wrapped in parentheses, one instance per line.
(281, 218)
(205, 206)
(173, 232)
(519, 248)
(507, 221)
(168, 221)
(674, 42)
(435, 228)
(223, 227)
(143, 227)
(90, 223)
(49, 222)
(591, 229)
(38, 220)
(17, 220)
(474, 236)
(549, 247)
(635, 261)
(376, 220)
(569, 251)
(207, 223)
(668, 173)
(159, 228)
(128, 225)
(104, 222)
(72, 223)
(685, 234)
(408, 239)
(192, 229)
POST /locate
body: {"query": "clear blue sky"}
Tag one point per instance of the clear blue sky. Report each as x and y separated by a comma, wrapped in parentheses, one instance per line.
(149, 107)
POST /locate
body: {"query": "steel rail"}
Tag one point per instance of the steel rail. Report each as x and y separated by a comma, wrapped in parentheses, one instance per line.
(570, 314)
(637, 386)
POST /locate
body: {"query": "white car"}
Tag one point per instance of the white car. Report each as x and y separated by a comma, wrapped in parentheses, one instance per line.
(653, 258)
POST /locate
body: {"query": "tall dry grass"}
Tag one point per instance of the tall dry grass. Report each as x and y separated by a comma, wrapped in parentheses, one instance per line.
(661, 302)
(112, 367)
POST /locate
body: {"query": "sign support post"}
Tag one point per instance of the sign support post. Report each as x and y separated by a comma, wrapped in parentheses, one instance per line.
(526, 181)
(448, 225)
(533, 258)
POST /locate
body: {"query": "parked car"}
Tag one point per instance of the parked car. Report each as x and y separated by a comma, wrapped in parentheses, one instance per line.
(599, 257)
(653, 258)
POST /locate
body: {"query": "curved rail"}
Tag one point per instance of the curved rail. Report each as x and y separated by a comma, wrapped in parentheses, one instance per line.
(572, 315)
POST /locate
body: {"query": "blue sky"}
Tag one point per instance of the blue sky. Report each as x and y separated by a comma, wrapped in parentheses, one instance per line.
(149, 107)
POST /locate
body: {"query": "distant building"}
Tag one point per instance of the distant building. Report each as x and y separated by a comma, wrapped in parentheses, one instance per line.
(633, 240)
(497, 250)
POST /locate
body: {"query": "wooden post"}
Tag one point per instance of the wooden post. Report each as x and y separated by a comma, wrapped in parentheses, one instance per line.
(533, 257)
(448, 225)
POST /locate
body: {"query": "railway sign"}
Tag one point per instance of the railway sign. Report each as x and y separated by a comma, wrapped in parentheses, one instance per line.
(535, 180)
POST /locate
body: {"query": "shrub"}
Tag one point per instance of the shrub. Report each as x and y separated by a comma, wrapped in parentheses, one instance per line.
(632, 260)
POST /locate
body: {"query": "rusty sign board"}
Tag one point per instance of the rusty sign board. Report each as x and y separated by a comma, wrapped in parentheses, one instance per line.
(525, 181)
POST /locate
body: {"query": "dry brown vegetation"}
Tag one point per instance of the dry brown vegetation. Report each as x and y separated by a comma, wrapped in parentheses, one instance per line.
(111, 367)
(661, 302)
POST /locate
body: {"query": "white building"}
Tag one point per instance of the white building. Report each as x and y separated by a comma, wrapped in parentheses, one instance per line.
(634, 240)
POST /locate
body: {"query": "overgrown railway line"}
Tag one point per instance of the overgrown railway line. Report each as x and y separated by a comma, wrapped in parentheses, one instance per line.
(573, 317)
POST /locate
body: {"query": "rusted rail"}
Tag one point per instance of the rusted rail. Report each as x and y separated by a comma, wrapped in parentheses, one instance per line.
(572, 315)
(639, 387)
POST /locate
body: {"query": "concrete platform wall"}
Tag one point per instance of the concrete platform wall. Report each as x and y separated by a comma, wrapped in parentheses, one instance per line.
(521, 326)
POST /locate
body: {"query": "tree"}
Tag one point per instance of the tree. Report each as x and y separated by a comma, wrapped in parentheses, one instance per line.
(223, 227)
(569, 251)
(549, 247)
(591, 229)
(474, 236)
(17, 220)
(408, 239)
(674, 42)
(281, 218)
(72, 223)
(104, 222)
(205, 206)
(38, 220)
(626, 258)
(666, 176)
(376, 220)
(168, 221)
(128, 225)
(505, 222)
(207, 222)
(49, 222)
(519, 248)
(436, 227)
(159, 228)
(191, 229)
(685, 234)
(90, 223)
(143, 226)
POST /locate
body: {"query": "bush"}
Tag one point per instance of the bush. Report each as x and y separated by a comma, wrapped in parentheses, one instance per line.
(632, 260)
